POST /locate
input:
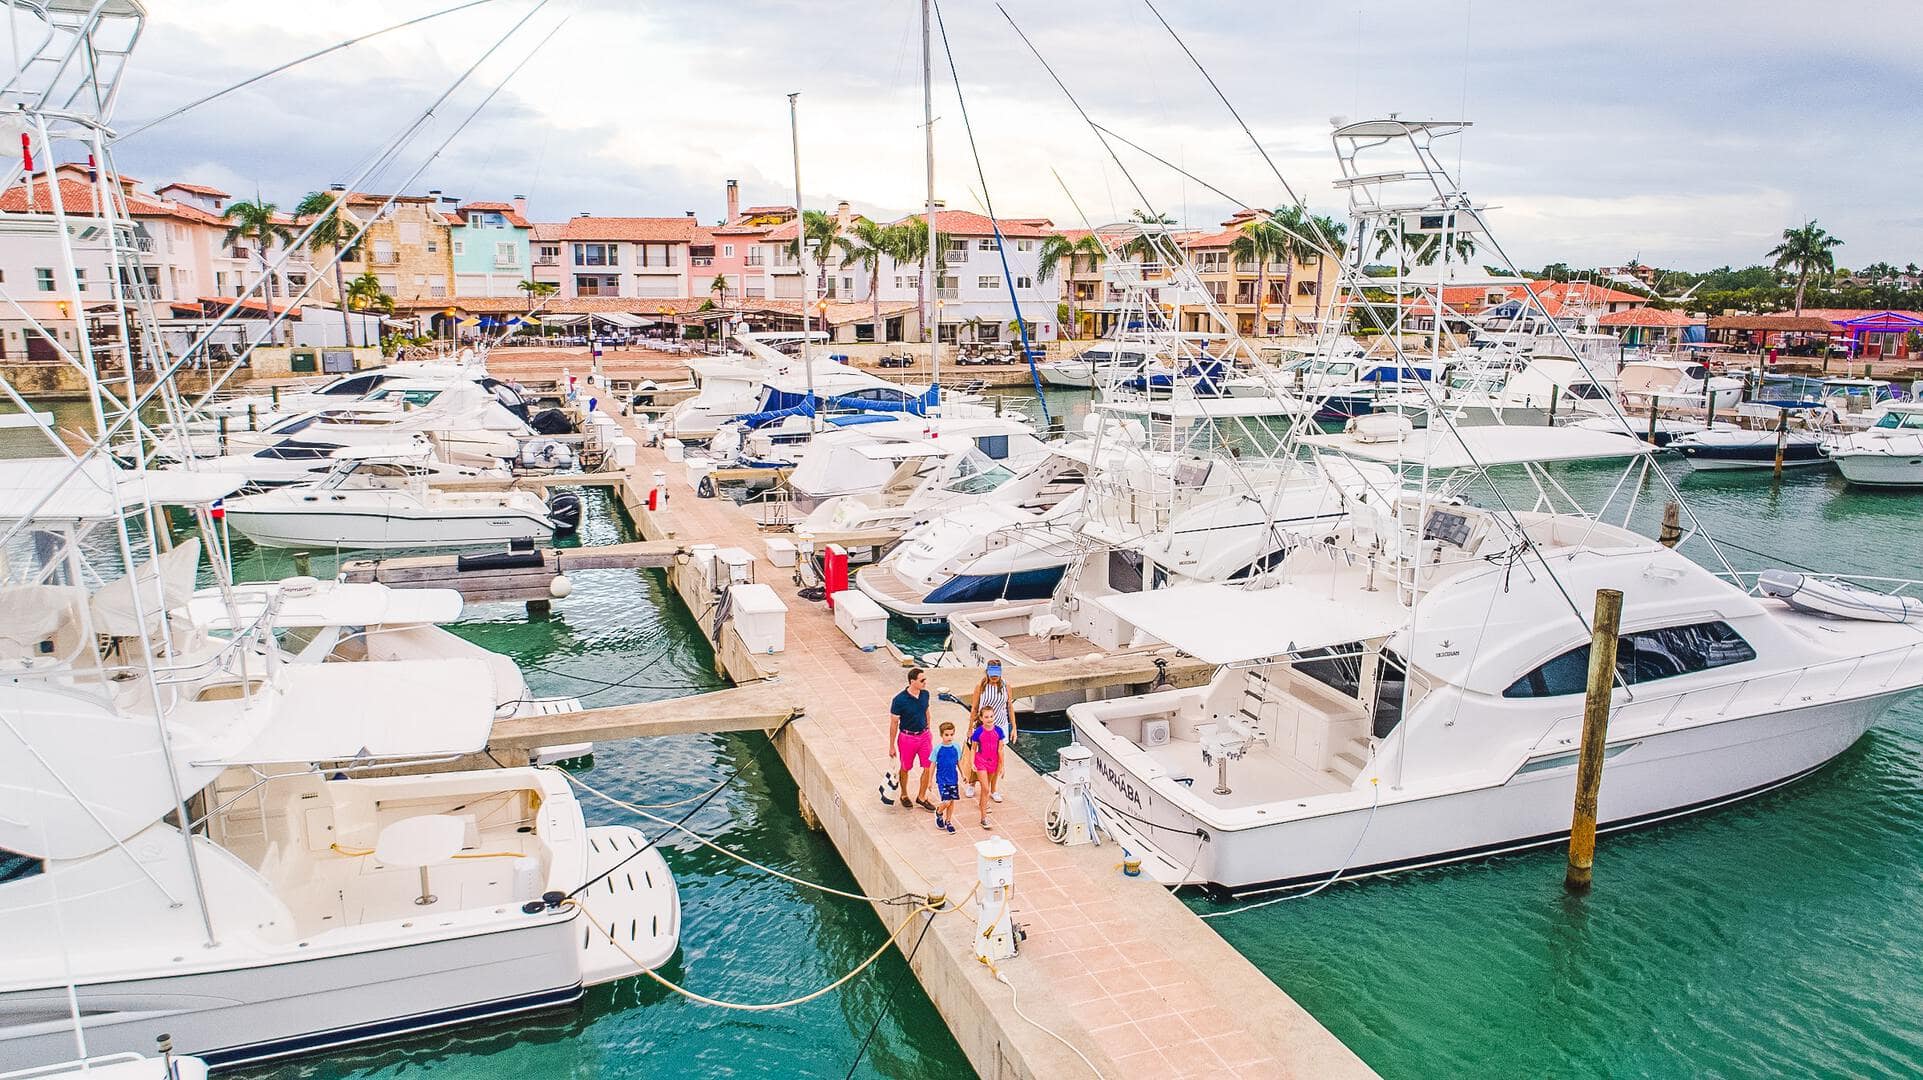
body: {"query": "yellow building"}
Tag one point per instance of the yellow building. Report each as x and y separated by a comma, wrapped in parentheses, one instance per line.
(407, 246)
(1281, 299)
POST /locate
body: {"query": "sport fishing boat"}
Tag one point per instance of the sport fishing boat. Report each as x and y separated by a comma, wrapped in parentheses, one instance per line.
(1406, 689)
(1098, 365)
(1409, 691)
(1889, 453)
(375, 498)
(974, 558)
(244, 882)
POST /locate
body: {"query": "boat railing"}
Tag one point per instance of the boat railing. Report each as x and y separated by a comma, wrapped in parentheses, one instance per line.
(1898, 586)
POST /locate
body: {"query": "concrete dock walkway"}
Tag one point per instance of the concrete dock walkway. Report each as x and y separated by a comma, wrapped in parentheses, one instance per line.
(1116, 966)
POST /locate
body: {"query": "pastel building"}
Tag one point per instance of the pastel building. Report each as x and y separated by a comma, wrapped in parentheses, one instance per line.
(639, 257)
(406, 245)
(972, 291)
(489, 247)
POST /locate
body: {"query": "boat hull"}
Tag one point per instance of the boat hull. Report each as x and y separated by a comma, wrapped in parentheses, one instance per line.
(385, 531)
(1881, 470)
(1652, 778)
(238, 1015)
(1757, 455)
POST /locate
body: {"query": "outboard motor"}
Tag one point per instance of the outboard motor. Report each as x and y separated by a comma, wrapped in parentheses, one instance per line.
(551, 422)
(564, 509)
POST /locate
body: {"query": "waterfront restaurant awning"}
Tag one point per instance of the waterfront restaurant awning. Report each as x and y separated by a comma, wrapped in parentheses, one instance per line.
(1774, 324)
(1222, 623)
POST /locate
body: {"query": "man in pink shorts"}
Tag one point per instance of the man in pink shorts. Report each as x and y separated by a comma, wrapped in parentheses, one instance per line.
(909, 738)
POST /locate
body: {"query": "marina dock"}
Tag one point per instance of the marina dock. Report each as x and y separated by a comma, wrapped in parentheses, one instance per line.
(1116, 966)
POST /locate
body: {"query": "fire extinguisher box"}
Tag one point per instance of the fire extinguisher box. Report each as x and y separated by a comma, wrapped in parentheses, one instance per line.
(834, 571)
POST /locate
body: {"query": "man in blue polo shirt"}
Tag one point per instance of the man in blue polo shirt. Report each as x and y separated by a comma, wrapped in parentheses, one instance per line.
(909, 738)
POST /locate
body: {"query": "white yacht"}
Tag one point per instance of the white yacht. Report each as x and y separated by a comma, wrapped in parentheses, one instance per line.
(1408, 691)
(295, 460)
(373, 498)
(975, 558)
(1667, 384)
(863, 459)
(233, 873)
(926, 484)
(1889, 453)
(1100, 364)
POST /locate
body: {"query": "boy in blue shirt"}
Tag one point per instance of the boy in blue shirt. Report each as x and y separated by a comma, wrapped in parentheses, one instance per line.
(947, 777)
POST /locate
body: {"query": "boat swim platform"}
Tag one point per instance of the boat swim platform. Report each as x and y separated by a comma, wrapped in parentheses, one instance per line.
(1117, 966)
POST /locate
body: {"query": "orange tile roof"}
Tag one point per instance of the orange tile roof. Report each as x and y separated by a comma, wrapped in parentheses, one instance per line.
(1648, 317)
(967, 223)
(547, 230)
(653, 230)
(77, 197)
(506, 210)
(197, 189)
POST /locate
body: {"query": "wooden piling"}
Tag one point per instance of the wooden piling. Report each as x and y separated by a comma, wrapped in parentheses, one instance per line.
(1652, 420)
(1782, 438)
(253, 418)
(1595, 735)
(274, 393)
(1555, 392)
(1672, 533)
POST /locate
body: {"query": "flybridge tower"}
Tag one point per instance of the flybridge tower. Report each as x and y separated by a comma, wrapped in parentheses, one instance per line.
(67, 60)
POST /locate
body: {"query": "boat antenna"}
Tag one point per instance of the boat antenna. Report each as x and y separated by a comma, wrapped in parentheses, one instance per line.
(801, 259)
(271, 72)
(994, 223)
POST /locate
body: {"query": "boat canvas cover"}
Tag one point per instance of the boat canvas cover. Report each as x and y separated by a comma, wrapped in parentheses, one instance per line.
(1221, 623)
(332, 603)
(113, 607)
(57, 489)
(380, 710)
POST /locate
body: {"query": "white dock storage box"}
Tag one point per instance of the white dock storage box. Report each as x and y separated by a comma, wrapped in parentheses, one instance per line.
(759, 617)
(675, 449)
(863, 620)
(623, 450)
(733, 566)
(781, 551)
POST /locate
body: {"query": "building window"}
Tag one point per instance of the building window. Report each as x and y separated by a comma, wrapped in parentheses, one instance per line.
(420, 281)
(80, 277)
(597, 255)
(756, 256)
(549, 254)
(389, 283)
(408, 232)
(597, 285)
(727, 251)
(506, 254)
(1024, 245)
(460, 247)
(986, 243)
(433, 247)
(296, 282)
(947, 288)
(988, 282)
(43, 276)
(1644, 656)
(1024, 283)
(958, 246)
(848, 286)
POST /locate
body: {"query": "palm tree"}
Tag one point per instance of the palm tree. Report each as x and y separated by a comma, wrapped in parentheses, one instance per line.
(720, 287)
(866, 246)
(364, 294)
(260, 222)
(1807, 250)
(908, 245)
(535, 290)
(1261, 241)
(1058, 247)
(329, 231)
(1331, 233)
(1142, 245)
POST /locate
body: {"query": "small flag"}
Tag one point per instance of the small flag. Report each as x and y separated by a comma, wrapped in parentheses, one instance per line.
(218, 510)
(531, 320)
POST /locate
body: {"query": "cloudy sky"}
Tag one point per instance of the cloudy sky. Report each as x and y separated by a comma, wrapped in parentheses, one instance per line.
(1687, 134)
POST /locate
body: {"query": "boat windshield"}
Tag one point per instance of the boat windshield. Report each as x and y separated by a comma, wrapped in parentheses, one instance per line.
(977, 475)
(410, 396)
(1909, 421)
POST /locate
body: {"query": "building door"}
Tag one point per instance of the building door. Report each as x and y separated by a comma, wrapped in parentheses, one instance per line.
(894, 329)
(38, 346)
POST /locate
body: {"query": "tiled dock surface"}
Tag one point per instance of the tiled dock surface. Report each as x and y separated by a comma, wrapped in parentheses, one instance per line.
(1117, 966)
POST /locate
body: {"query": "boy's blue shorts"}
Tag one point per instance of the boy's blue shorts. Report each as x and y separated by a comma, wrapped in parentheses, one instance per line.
(950, 792)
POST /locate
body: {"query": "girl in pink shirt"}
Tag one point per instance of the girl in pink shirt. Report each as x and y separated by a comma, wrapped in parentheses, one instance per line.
(985, 741)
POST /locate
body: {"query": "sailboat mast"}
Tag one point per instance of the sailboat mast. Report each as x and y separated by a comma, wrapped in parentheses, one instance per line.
(930, 319)
(801, 259)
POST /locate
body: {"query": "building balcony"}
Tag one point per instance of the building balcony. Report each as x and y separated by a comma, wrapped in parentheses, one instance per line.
(656, 269)
(509, 263)
(701, 260)
(544, 260)
(947, 294)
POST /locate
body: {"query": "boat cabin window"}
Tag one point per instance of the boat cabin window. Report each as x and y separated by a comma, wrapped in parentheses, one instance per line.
(295, 450)
(411, 397)
(1391, 678)
(293, 426)
(1644, 656)
(354, 387)
(1338, 667)
(1124, 570)
(994, 446)
(1907, 420)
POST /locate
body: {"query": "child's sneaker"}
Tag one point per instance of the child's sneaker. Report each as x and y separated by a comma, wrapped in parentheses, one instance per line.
(949, 825)
(968, 791)
(995, 795)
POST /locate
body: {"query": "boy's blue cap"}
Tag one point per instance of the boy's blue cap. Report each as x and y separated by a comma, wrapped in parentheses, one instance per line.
(994, 667)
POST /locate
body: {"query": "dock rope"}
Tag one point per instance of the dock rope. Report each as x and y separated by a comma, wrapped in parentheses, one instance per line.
(702, 999)
(899, 901)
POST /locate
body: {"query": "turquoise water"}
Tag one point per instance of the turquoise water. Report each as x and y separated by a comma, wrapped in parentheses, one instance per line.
(1779, 937)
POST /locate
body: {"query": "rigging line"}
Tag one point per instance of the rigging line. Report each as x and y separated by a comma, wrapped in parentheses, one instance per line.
(904, 898)
(994, 223)
(887, 1004)
(271, 72)
(652, 839)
